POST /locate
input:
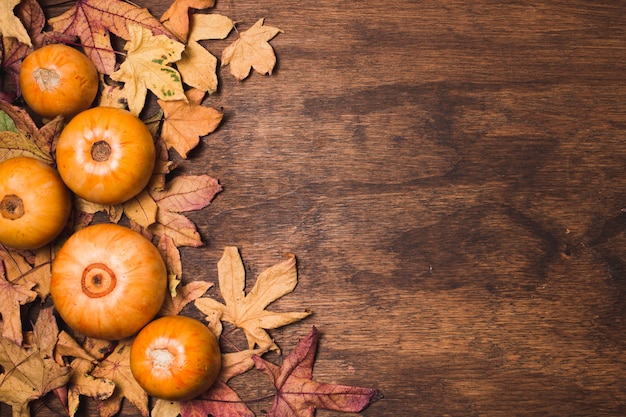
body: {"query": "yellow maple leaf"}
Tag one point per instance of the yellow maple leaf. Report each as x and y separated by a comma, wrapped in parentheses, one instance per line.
(146, 68)
(251, 50)
(198, 66)
(10, 25)
(186, 121)
(248, 311)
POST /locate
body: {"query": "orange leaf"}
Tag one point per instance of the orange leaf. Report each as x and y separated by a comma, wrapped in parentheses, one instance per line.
(92, 20)
(186, 122)
(176, 18)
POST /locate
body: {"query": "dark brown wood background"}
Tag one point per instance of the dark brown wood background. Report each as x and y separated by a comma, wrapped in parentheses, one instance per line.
(450, 175)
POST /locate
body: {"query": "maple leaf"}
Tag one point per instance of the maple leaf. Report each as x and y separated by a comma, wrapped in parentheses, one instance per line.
(10, 25)
(24, 138)
(248, 311)
(186, 294)
(298, 395)
(181, 194)
(251, 50)
(197, 66)
(116, 367)
(176, 17)
(93, 20)
(185, 121)
(13, 296)
(146, 68)
(30, 372)
(41, 272)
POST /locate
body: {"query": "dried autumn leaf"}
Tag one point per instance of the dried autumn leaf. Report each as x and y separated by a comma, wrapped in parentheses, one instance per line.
(146, 68)
(41, 272)
(176, 18)
(297, 395)
(13, 296)
(248, 311)
(141, 209)
(30, 372)
(186, 294)
(197, 66)
(31, 15)
(92, 20)
(10, 25)
(171, 255)
(186, 121)
(33, 141)
(251, 50)
(116, 368)
(182, 194)
(82, 382)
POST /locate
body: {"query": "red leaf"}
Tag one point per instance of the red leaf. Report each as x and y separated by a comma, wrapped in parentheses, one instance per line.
(92, 20)
(298, 395)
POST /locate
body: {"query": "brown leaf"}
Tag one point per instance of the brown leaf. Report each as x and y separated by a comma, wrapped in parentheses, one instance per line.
(116, 368)
(31, 15)
(92, 20)
(30, 372)
(251, 50)
(186, 294)
(141, 209)
(185, 122)
(176, 18)
(41, 273)
(10, 25)
(84, 361)
(298, 395)
(13, 296)
(197, 66)
(171, 256)
(27, 139)
(248, 311)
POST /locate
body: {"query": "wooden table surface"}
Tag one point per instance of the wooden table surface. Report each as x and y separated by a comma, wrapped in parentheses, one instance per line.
(450, 176)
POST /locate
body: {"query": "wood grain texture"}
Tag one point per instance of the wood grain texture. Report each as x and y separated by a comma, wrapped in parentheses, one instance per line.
(450, 175)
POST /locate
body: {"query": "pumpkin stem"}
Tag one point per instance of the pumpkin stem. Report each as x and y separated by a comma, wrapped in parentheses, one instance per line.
(161, 358)
(47, 79)
(11, 207)
(100, 151)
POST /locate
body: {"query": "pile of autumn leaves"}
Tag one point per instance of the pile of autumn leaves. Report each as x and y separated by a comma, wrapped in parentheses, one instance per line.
(163, 58)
